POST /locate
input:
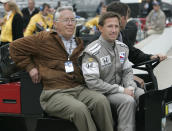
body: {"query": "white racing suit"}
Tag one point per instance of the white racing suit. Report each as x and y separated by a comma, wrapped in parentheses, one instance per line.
(106, 69)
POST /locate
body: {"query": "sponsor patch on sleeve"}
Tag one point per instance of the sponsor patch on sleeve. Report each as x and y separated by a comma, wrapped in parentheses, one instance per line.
(90, 67)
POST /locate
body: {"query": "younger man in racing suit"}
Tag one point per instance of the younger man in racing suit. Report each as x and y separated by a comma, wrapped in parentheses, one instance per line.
(106, 69)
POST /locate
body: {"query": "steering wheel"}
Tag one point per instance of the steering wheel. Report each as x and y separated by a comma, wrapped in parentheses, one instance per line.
(153, 63)
(149, 66)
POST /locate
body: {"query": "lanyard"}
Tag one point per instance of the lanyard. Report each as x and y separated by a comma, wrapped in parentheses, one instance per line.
(70, 48)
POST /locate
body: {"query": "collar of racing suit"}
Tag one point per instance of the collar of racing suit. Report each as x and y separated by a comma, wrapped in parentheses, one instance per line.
(107, 44)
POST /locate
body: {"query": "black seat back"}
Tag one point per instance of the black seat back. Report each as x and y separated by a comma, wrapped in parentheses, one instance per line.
(7, 66)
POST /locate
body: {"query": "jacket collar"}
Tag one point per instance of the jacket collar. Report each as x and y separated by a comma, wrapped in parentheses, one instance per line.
(106, 44)
(79, 42)
(56, 33)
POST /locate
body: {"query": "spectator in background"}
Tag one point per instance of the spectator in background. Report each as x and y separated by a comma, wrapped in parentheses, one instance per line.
(41, 21)
(58, 5)
(98, 10)
(12, 23)
(147, 7)
(155, 21)
(94, 21)
(74, 8)
(28, 12)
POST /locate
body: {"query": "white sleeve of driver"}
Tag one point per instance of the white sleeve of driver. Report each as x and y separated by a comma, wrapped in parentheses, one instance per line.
(127, 64)
(121, 89)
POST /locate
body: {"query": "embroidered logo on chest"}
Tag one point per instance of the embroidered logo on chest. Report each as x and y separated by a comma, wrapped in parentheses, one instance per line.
(122, 57)
(105, 60)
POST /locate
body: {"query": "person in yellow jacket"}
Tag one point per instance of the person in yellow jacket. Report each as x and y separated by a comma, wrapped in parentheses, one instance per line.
(11, 24)
(94, 21)
(40, 21)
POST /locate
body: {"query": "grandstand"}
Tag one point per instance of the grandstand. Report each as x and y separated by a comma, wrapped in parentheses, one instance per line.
(53, 3)
(81, 5)
(38, 3)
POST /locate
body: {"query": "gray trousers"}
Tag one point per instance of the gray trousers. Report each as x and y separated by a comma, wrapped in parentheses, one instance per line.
(85, 108)
(126, 108)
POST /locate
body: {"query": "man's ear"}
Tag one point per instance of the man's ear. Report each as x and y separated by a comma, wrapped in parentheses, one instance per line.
(55, 24)
(122, 18)
(100, 28)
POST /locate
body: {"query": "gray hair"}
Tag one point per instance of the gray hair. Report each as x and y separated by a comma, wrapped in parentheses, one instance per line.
(57, 13)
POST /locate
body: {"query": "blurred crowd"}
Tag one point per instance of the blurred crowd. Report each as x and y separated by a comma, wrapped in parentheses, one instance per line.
(18, 23)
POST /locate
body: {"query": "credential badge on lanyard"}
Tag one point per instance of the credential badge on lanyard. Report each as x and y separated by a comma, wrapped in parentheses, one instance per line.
(69, 67)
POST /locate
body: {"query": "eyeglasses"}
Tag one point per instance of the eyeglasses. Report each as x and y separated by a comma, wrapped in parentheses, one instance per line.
(67, 21)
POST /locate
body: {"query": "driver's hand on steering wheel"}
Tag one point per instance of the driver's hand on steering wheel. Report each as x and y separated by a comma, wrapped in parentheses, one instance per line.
(160, 56)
